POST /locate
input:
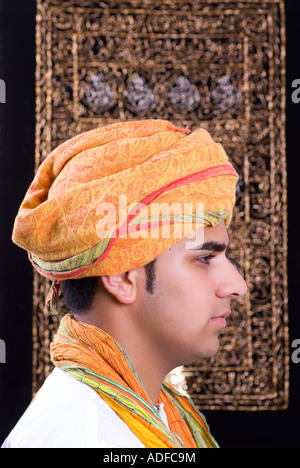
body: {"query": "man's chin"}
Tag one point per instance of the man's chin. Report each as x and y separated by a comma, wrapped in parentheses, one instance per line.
(204, 354)
(211, 350)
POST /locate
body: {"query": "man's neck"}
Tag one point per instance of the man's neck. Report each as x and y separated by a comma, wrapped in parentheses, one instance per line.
(149, 367)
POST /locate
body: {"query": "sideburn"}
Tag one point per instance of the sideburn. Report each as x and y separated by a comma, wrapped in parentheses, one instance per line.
(150, 276)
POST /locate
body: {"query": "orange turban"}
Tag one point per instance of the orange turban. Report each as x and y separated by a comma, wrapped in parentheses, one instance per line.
(66, 223)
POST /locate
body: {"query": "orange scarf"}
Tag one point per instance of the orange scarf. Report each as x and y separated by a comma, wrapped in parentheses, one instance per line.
(92, 356)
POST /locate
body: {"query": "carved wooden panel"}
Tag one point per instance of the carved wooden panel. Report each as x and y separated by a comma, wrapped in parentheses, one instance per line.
(219, 65)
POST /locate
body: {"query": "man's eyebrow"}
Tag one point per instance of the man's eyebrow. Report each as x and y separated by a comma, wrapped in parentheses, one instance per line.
(213, 246)
(217, 247)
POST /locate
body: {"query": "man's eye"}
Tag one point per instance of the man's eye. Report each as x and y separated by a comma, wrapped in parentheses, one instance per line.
(206, 259)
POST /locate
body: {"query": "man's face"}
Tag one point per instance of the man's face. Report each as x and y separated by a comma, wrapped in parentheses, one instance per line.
(193, 289)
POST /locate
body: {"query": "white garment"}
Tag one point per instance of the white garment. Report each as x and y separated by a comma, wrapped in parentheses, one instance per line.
(67, 413)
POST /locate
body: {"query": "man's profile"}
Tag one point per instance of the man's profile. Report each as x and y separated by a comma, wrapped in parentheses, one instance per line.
(141, 303)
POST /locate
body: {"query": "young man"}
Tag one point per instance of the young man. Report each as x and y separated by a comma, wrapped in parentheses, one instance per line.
(149, 287)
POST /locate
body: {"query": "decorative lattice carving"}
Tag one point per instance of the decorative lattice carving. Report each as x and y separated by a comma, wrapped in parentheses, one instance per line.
(198, 63)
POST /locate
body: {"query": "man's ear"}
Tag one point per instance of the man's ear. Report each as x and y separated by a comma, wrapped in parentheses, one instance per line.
(122, 286)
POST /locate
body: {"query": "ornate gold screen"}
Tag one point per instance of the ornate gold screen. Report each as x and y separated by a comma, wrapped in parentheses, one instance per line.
(219, 65)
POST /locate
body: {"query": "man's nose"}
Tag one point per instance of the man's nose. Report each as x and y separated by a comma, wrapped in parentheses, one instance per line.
(232, 283)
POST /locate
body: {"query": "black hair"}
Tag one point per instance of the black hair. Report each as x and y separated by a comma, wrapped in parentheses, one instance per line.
(150, 276)
(79, 293)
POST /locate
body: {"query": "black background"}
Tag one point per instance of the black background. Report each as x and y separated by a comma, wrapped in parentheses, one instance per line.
(278, 429)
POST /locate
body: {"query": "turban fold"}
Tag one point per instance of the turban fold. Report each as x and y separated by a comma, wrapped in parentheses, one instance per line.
(87, 211)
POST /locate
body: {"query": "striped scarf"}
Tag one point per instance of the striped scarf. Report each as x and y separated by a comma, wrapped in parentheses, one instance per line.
(93, 357)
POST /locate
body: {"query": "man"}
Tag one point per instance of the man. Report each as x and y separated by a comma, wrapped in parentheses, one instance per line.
(148, 290)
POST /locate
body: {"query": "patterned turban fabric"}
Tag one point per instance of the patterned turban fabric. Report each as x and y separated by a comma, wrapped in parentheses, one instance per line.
(87, 211)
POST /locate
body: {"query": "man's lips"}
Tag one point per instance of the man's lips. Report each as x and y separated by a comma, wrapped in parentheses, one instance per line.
(221, 319)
